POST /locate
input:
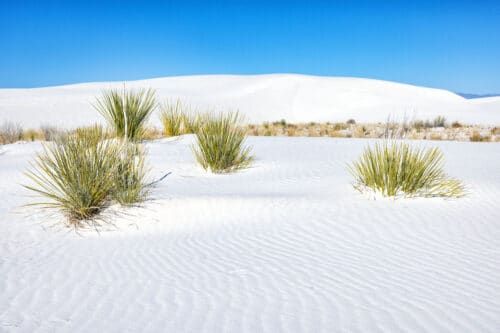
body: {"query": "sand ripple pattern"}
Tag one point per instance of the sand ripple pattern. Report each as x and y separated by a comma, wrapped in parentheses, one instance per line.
(286, 246)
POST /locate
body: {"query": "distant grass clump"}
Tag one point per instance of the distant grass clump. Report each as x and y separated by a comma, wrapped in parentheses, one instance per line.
(477, 137)
(394, 169)
(127, 112)
(220, 144)
(177, 119)
(82, 172)
(172, 118)
(10, 132)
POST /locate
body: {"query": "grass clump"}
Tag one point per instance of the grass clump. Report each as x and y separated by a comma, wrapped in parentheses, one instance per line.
(82, 172)
(10, 132)
(220, 144)
(75, 174)
(394, 169)
(172, 118)
(127, 112)
(439, 121)
(130, 177)
(477, 137)
(178, 119)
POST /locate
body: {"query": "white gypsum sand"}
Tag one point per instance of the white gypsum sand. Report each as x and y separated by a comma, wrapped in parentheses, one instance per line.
(295, 98)
(285, 246)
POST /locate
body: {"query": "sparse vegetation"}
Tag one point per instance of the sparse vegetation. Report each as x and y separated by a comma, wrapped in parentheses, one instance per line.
(477, 137)
(393, 169)
(127, 111)
(130, 177)
(51, 133)
(81, 172)
(172, 118)
(220, 144)
(10, 132)
(177, 119)
(439, 121)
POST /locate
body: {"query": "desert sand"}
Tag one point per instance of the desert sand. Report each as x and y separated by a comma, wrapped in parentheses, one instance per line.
(284, 246)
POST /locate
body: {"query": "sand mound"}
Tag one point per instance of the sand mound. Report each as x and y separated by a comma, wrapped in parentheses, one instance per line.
(296, 98)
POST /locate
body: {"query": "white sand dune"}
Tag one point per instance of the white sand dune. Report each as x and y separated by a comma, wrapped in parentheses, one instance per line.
(285, 246)
(296, 98)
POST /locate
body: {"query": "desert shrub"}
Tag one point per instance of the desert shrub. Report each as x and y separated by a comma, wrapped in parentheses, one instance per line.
(281, 123)
(32, 135)
(359, 132)
(495, 131)
(191, 122)
(130, 185)
(456, 124)
(439, 121)
(151, 133)
(418, 125)
(341, 126)
(351, 122)
(127, 112)
(81, 172)
(75, 174)
(220, 144)
(291, 130)
(177, 119)
(171, 119)
(393, 169)
(477, 137)
(10, 132)
(51, 133)
(436, 136)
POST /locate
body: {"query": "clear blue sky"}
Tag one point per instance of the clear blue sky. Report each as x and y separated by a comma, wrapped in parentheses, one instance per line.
(453, 45)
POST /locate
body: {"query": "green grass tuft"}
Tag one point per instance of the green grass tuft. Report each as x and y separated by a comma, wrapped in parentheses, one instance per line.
(220, 143)
(172, 118)
(177, 119)
(398, 169)
(82, 172)
(130, 177)
(127, 112)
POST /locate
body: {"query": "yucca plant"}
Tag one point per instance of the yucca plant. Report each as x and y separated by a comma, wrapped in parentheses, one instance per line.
(75, 174)
(220, 143)
(127, 111)
(394, 169)
(191, 122)
(130, 185)
(171, 117)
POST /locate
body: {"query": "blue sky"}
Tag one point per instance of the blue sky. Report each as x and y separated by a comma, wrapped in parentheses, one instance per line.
(452, 45)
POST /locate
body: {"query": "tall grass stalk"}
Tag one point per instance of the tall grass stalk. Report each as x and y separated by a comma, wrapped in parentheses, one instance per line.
(220, 143)
(127, 111)
(394, 169)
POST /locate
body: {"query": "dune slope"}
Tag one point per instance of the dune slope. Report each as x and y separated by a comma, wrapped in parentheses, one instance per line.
(296, 98)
